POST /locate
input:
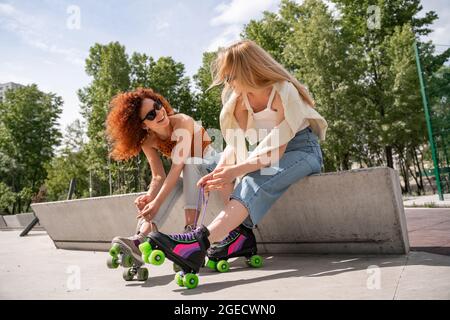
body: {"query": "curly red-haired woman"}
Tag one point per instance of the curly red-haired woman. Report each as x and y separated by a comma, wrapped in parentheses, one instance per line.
(144, 120)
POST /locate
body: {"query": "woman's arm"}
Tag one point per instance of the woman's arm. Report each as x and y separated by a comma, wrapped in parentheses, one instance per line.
(227, 174)
(241, 113)
(227, 158)
(181, 152)
(183, 132)
(254, 165)
(156, 167)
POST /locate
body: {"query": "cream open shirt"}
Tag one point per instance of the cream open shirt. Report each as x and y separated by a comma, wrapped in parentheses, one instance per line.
(295, 111)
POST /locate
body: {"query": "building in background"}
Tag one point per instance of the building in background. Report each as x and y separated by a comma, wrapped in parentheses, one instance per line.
(7, 86)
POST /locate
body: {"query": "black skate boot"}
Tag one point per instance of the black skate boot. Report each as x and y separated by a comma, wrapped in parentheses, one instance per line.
(187, 250)
(240, 242)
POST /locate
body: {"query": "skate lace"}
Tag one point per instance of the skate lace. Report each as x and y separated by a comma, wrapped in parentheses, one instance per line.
(202, 203)
(231, 236)
(183, 236)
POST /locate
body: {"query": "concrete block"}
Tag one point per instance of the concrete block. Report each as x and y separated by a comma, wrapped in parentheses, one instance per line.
(18, 221)
(12, 222)
(357, 211)
(90, 224)
(25, 219)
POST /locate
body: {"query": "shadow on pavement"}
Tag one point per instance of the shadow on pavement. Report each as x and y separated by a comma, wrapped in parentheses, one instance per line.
(305, 266)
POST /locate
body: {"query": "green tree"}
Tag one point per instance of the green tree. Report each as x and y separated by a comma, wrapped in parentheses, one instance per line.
(7, 199)
(69, 164)
(370, 43)
(28, 136)
(209, 102)
(110, 70)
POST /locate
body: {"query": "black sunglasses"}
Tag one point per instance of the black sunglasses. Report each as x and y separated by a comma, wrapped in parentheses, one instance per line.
(151, 115)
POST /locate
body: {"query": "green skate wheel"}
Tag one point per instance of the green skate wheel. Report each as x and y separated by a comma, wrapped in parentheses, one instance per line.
(179, 279)
(157, 257)
(176, 268)
(256, 261)
(115, 250)
(190, 280)
(112, 262)
(145, 248)
(223, 266)
(142, 274)
(211, 264)
(127, 275)
(127, 261)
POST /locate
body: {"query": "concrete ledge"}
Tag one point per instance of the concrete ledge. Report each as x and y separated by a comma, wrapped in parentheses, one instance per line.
(90, 224)
(357, 211)
(18, 221)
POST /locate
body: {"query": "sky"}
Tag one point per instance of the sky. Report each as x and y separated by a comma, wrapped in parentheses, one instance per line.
(46, 42)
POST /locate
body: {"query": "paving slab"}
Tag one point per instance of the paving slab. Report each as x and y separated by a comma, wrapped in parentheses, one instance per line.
(429, 229)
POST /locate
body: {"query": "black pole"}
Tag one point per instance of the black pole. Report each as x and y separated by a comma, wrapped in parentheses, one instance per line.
(29, 227)
(72, 186)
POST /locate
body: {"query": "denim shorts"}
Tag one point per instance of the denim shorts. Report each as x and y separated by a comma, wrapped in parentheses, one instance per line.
(258, 190)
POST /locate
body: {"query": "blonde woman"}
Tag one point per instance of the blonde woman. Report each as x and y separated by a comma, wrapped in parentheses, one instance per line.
(266, 105)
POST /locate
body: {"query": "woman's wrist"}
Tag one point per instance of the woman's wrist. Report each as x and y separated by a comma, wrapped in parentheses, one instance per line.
(157, 201)
(240, 169)
(246, 167)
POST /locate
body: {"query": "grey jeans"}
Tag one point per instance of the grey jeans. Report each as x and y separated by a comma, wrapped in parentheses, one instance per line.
(194, 169)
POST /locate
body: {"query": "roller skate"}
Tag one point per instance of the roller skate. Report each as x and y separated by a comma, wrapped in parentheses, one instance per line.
(240, 242)
(187, 250)
(187, 228)
(125, 252)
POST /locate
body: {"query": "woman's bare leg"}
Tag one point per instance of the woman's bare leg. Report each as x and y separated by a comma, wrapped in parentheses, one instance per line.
(147, 227)
(228, 219)
(225, 192)
(190, 215)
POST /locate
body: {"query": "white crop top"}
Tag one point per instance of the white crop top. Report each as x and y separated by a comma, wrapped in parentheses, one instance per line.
(264, 121)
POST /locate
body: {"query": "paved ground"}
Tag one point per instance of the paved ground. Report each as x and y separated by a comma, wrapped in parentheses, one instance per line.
(427, 201)
(31, 268)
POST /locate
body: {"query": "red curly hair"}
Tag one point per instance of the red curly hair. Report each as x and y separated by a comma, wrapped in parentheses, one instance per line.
(123, 124)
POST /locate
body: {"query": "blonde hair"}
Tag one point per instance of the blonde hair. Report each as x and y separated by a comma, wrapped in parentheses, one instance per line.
(252, 67)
